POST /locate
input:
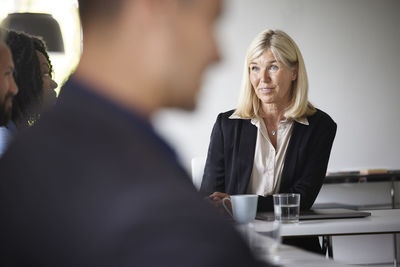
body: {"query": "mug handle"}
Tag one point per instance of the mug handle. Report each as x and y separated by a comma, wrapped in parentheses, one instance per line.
(226, 208)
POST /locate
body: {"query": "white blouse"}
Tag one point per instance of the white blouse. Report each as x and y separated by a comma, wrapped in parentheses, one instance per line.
(268, 162)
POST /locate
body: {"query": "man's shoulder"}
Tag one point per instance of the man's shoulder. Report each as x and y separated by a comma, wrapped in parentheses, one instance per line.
(83, 136)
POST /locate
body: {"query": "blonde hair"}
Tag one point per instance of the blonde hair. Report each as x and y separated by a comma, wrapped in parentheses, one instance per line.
(286, 52)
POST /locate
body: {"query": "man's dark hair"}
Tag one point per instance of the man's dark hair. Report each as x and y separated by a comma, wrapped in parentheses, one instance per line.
(28, 77)
(98, 10)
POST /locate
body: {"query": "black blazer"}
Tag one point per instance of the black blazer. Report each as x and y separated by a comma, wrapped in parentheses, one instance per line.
(89, 186)
(231, 154)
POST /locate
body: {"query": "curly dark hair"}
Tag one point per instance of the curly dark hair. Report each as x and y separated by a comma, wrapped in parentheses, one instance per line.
(28, 77)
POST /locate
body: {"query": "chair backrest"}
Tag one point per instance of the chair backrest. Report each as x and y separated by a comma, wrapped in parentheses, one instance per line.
(198, 164)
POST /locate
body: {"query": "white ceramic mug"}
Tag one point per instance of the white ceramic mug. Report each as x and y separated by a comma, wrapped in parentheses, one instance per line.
(244, 207)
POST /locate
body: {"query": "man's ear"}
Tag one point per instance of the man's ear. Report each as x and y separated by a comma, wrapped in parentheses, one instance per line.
(146, 15)
(156, 6)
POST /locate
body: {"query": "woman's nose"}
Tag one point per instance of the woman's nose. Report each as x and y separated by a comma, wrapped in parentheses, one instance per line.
(265, 76)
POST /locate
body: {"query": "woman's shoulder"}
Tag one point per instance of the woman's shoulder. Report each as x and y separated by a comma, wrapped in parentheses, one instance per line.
(321, 117)
(226, 114)
(229, 119)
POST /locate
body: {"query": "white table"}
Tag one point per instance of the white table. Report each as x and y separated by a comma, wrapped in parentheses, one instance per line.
(289, 256)
(380, 222)
(266, 249)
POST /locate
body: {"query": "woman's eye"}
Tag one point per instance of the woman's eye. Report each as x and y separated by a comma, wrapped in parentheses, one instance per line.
(254, 68)
(273, 68)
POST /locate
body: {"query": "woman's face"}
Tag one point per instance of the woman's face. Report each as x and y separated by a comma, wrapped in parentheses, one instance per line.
(271, 80)
(49, 95)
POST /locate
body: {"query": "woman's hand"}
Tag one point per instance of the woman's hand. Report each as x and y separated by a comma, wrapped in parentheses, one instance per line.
(218, 197)
(216, 200)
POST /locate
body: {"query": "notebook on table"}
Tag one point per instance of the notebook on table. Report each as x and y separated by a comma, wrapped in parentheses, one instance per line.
(319, 214)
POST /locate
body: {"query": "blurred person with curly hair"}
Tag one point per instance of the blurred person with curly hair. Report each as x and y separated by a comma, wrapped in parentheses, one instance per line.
(33, 75)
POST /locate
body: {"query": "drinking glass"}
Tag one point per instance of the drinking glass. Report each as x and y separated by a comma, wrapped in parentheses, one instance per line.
(264, 240)
(287, 207)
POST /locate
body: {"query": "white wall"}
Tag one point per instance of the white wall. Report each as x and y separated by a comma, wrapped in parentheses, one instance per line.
(351, 51)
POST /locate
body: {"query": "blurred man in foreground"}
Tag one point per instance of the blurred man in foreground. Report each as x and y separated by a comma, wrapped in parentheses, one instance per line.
(92, 184)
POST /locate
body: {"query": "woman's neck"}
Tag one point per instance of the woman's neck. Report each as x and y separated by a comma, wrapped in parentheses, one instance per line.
(273, 112)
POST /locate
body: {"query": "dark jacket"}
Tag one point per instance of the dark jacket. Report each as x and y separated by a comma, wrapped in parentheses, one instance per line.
(90, 185)
(231, 154)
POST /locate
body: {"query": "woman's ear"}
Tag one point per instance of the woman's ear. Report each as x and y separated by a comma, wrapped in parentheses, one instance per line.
(294, 73)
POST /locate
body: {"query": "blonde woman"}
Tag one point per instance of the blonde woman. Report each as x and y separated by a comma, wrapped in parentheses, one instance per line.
(275, 140)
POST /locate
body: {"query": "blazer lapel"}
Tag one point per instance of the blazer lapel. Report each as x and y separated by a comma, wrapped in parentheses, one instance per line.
(245, 155)
(291, 158)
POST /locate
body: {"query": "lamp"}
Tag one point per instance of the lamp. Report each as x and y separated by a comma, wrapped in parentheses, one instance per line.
(38, 24)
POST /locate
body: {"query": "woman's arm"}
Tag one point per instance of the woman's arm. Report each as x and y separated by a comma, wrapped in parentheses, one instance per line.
(214, 171)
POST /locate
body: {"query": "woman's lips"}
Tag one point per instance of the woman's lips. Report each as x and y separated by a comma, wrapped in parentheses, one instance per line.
(266, 90)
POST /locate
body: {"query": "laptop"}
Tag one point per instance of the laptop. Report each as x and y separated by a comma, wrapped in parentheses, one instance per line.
(319, 214)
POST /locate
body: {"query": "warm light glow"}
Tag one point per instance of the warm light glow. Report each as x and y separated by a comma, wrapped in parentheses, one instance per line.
(66, 14)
